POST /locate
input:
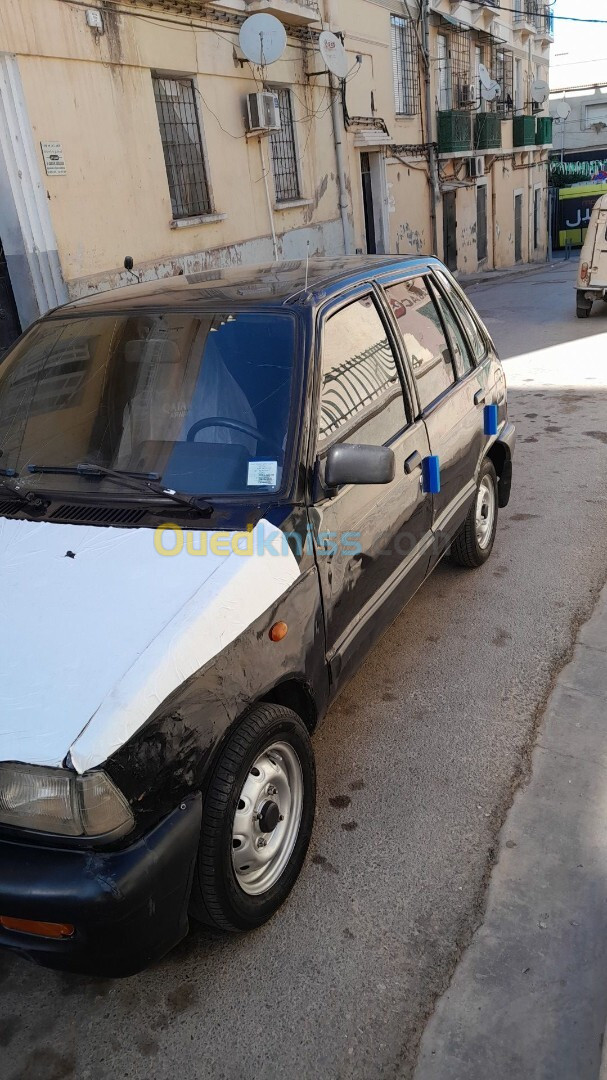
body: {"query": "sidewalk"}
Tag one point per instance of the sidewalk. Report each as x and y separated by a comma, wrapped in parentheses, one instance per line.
(488, 277)
(529, 996)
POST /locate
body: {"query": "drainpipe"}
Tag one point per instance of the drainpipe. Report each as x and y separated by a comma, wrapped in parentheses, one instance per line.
(432, 160)
(330, 11)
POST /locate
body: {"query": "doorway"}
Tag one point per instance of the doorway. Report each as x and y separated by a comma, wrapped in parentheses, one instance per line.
(10, 327)
(518, 227)
(375, 201)
(481, 222)
(449, 230)
(365, 171)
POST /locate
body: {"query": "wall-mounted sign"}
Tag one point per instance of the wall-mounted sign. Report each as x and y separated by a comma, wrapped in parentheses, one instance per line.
(54, 161)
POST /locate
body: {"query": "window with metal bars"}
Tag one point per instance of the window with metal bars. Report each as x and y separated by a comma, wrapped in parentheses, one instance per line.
(453, 66)
(182, 146)
(405, 66)
(284, 151)
(502, 70)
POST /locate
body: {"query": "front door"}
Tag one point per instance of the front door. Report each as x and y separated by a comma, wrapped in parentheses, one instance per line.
(481, 222)
(518, 228)
(372, 541)
(367, 182)
(9, 319)
(449, 230)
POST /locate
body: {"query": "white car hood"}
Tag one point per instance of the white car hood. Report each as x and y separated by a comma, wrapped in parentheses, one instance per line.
(97, 629)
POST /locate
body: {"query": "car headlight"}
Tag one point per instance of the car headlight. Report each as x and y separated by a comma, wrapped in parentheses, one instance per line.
(59, 801)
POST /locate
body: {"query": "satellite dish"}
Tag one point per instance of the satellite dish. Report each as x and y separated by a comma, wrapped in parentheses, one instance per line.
(485, 77)
(333, 54)
(263, 39)
(563, 109)
(539, 91)
(491, 92)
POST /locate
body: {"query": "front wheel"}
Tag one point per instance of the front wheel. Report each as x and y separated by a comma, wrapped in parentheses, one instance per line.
(583, 307)
(474, 542)
(257, 821)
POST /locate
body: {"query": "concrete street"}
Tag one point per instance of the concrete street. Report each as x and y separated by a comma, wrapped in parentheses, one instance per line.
(418, 764)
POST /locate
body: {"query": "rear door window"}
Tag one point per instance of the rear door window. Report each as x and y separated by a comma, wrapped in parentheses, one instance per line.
(473, 330)
(422, 332)
(460, 348)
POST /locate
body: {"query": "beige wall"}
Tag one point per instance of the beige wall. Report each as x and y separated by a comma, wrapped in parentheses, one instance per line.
(94, 95)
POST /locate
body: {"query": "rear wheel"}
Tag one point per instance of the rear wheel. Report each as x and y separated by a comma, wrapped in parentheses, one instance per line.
(257, 821)
(474, 542)
(583, 307)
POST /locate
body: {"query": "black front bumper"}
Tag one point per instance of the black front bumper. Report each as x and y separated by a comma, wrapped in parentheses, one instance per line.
(128, 907)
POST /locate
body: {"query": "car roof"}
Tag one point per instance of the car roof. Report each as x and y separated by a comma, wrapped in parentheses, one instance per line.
(273, 283)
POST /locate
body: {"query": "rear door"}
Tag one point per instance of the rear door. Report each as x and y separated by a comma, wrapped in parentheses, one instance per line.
(450, 391)
(597, 263)
(372, 542)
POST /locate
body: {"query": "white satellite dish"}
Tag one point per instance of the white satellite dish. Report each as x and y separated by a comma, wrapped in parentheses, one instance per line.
(491, 92)
(333, 54)
(539, 91)
(563, 109)
(263, 39)
(485, 77)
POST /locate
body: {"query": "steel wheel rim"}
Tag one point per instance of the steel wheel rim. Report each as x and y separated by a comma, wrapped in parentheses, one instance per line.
(273, 787)
(485, 512)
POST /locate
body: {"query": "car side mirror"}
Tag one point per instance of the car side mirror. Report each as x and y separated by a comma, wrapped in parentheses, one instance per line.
(356, 463)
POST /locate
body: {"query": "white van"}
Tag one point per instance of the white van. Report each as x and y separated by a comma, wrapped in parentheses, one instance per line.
(592, 274)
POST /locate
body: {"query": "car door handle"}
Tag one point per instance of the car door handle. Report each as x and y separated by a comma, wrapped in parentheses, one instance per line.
(480, 397)
(413, 462)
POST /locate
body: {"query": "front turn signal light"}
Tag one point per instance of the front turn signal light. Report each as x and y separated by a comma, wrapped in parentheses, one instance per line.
(40, 929)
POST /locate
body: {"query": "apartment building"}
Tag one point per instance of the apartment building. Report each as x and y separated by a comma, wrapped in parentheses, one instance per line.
(125, 131)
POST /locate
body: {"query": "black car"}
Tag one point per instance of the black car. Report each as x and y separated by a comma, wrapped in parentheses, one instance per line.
(216, 493)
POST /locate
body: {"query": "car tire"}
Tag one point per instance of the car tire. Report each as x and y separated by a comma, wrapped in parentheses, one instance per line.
(258, 815)
(583, 307)
(474, 542)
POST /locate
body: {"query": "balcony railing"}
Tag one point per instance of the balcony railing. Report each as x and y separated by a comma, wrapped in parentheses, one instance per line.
(454, 132)
(523, 131)
(535, 13)
(543, 133)
(487, 131)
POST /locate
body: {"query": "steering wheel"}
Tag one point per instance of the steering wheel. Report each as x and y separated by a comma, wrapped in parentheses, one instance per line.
(234, 425)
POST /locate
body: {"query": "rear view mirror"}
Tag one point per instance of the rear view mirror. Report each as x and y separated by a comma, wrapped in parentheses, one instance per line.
(355, 463)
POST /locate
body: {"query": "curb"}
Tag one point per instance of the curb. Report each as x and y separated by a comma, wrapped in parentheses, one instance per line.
(489, 276)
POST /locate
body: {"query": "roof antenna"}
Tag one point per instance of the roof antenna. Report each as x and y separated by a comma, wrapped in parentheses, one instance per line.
(307, 263)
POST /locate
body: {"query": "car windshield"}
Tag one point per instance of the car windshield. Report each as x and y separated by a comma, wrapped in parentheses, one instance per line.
(200, 401)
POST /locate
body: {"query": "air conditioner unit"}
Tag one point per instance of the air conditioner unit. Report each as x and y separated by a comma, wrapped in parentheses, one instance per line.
(263, 112)
(467, 94)
(476, 167)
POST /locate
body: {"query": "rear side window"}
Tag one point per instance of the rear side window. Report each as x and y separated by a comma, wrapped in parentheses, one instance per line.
(474, 333)
(419, 323)
(358, 374)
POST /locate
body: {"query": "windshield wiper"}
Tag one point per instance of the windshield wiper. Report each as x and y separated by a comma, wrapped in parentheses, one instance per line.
(146, 482)
(9, 481)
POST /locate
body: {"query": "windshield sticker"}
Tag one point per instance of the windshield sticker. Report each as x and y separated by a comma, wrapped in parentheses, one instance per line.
(262, 474)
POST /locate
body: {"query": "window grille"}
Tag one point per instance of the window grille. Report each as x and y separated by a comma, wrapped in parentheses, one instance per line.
(502, 70)
(182, 145)
(284, 152)
(405, 66)
(454, 71)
